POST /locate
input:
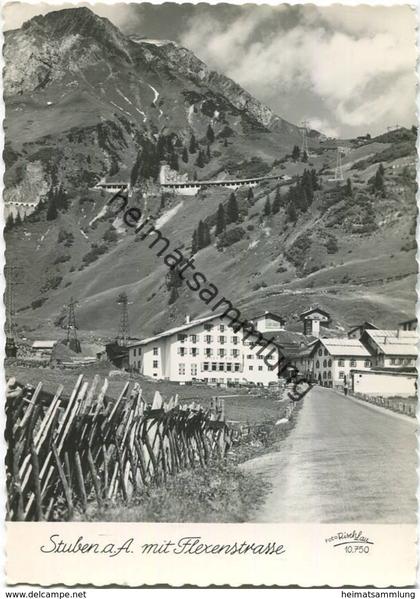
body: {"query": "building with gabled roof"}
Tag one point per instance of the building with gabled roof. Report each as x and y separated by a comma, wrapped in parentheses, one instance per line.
(335, 357)
(313, 319)
(391, 348)
(408, 325)
(357, 330)
(207, 349)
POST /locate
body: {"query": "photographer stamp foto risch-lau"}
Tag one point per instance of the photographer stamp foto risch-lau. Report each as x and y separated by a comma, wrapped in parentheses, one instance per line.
(210, 267)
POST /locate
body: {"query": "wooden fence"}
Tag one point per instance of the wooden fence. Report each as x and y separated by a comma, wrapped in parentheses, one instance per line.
(67, 452)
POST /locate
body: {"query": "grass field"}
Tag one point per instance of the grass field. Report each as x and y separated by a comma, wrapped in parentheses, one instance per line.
(251, 407)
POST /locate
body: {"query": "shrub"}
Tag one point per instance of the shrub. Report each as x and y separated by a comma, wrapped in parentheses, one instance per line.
(37, 303)
(331, 245)
(94, 253)
(62, 259)
(52, 283)
(66, 237)
(231, 236)
(110, 236)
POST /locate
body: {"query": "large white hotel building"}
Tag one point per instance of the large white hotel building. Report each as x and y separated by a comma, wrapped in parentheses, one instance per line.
(209, 350)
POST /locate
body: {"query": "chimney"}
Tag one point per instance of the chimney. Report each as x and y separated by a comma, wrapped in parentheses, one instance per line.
(187, 318)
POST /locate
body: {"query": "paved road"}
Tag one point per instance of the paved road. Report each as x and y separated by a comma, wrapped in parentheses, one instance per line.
(342, 462)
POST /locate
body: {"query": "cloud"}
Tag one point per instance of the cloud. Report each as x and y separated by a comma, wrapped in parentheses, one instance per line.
(336, 54)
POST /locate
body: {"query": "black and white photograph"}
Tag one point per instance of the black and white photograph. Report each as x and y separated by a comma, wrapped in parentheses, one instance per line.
(210, 265)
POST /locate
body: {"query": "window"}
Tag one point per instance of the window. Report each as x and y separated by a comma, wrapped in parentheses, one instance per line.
(320, 352)
(260, 367)
(324, 363)
(208, 338)
(251, 368)
(194, 351)
(221, 366)
(155, 364)
(205, 365)
(237, 367)
(222, 328)
(399, 361)
(193, 369)
(222, 339)
(250, 356)
(368, 363)
(341, 363)
(208, 352)
(260, 357)
(181, 368)
(208, 327)
(329, 374)
(214, 366)
(235, 340)
(193, 338)
(181, 337)
(229, 366)
(325, 352)
(317, 364)
(235, 353)
(341, 374)
(329, 363)
(353, 363)
(134, 352)
(392, 360)
(181, 351)
(324, 375)
(155, 351)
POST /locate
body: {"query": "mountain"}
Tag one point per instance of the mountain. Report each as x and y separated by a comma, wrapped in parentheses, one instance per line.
(83, 101)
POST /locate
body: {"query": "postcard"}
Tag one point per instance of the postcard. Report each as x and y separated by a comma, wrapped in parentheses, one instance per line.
(210, 269)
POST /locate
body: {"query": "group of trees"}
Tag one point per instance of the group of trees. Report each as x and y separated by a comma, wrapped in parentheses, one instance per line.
(300, 196)
(274, 206)
(56, 201)
(298, 155)
(201, 237)
(228, 215)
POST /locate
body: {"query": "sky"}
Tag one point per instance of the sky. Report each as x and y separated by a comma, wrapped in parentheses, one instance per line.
(345, 70)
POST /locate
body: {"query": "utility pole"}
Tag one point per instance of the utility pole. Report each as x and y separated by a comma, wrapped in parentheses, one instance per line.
(305, 147)
(12, 274)
(123, 331)
(72, 340)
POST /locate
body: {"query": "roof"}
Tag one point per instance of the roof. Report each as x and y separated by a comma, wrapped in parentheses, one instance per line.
(395, 343)
(312, 310)
(43, 344)
(411, 320)
(271, 314)
(185, 327)
(366, 325)
(342, 346)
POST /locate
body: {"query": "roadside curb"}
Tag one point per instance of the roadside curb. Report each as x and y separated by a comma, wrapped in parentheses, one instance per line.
(379, 408)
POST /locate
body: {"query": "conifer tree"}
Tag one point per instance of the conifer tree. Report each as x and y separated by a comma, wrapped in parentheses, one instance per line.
(225, 143)
(276, 202)
(210, 134)
(220, 220)
(304, 156)
(200, 159)
(296, 153)
(173, 161)
(194, 243)
(185, 154)
(267, 207)
(201, 235)
(52, 205)
(232, 211)
(250, 197)
(193, 145)
(208, 153)
(291, 212)
(348, 189)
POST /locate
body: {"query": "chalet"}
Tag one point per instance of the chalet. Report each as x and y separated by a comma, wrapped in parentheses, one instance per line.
(269, 322)
(357, 331)
(334, 358)
(313, 319)
(43, 349)
(391, 348)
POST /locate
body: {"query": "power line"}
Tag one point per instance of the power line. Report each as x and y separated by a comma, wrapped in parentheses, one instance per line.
(124, 330)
